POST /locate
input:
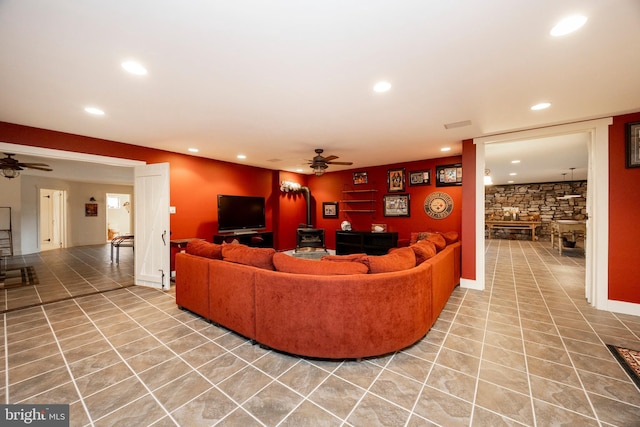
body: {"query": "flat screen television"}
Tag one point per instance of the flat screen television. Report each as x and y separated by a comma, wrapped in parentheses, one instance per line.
(238, 213)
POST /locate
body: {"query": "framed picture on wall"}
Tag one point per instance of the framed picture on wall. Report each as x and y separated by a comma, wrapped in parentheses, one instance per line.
(633, 145)
(330, 209)
(396, 205)
(395, 180)
(360, 178)
(90, 209)
(422, 177)
(448, 175)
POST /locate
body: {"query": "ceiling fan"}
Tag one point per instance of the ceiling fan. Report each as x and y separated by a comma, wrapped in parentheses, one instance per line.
(319, 162)
(10, 167)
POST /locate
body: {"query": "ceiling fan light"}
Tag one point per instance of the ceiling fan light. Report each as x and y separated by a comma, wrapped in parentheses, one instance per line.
(9, 173)
(318, 170)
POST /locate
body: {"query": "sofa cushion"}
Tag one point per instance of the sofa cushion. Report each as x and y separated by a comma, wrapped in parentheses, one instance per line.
(434, 237)
(204, 249)
(290, 264)
(344, 258)
(423, 249)
(242, 254)
(397, 260)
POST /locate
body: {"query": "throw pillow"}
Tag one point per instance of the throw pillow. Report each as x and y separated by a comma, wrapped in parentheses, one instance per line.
(397, 260)
(290, 264)
(450, 237)
(424, 249)
(242, 254)
(436, 238)
(204, 249)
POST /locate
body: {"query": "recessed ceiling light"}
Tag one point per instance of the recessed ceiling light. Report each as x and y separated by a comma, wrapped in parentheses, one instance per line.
(515, 161)
(134, 67)
(193, 150)
(541, 106)
(513, 174)
(445, 149)
(382, 87)
(509, 182)
(568, 25)
(95, 111)
(299, 170)
(241, 156)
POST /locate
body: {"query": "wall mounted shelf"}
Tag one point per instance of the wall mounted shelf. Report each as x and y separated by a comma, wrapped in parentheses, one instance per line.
(349, 205)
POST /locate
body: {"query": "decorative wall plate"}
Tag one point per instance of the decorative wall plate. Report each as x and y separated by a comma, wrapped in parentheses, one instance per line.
(438, 205)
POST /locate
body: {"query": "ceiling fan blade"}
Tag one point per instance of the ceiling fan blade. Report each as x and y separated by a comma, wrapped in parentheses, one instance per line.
(340, 163)
(28, 165)
(329, 158)
(48, 169)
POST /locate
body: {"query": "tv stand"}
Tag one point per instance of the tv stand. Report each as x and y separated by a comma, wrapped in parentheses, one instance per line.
(256, 239)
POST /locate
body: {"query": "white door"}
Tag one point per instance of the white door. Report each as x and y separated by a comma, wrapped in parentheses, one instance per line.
(51, 219)
(151, 234)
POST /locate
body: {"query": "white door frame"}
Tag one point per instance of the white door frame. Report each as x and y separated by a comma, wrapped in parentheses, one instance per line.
(597, 247)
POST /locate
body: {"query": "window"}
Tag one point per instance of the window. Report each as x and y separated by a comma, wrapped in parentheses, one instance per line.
(113, 202)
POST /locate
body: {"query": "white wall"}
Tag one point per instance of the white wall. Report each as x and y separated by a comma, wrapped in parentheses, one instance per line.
(10, 197)
(81, 230)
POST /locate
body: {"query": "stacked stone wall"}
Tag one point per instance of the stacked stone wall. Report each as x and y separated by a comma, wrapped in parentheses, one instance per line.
(539, 201)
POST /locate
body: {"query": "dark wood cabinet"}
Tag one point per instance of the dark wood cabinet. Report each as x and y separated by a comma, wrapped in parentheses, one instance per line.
(259, 239)
(353, 242)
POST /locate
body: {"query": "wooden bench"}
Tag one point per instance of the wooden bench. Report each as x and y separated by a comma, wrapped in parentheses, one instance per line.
(514, 225)
(118, 242)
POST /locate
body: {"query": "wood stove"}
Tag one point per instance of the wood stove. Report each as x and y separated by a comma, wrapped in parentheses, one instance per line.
(310, 239)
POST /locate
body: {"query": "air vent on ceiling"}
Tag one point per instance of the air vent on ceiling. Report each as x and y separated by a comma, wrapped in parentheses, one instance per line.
(458, 124)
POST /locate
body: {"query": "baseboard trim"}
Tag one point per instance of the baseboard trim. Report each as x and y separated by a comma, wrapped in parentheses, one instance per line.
(471, 284)
(623, 307)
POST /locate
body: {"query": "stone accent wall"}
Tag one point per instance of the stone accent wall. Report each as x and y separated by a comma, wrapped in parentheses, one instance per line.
(536, 200)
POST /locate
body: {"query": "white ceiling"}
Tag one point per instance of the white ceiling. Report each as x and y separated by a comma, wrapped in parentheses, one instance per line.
(276, 79)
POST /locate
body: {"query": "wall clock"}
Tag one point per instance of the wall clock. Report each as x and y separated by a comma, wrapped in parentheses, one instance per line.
(438, 205)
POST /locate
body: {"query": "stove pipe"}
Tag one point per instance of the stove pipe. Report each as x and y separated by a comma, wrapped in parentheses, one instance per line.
(307, 196)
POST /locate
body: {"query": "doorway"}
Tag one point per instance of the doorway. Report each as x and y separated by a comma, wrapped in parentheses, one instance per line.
(119, 218)
(52, 219)
(597, 254)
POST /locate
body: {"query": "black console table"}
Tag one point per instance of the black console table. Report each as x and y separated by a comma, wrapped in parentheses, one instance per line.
(353, 242)
(258, 239)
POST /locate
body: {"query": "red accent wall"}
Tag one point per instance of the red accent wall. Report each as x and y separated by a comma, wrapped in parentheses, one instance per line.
(624, 209)
(468, 235)
(329, 188)
(195, 181)
(292, 211)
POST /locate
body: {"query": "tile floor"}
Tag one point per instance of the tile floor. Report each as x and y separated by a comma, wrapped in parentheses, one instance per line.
(526, 351)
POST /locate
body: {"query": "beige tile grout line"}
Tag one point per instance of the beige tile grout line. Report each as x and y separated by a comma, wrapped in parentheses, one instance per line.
(66, 364)
(524, 351)
(124, 361)
(575, 370)
(440, 346)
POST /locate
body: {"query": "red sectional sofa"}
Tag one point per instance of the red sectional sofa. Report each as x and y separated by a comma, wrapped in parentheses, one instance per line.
(332, 313)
